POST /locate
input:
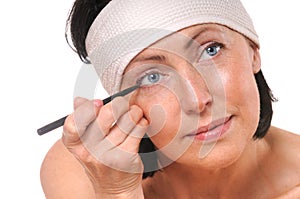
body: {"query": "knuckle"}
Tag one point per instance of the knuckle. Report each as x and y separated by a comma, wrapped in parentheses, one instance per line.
(78, 101)
(69, 128)
(105, 118)
(143, 123)
(113, 160)
(137, 109)
(135, 113)
(82, 154)
(119, 106)
(105, 111)
(69, 125)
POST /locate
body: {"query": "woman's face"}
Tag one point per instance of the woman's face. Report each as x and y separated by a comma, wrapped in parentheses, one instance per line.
(199, 94)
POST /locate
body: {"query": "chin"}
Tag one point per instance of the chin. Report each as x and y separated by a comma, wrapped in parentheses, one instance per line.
(220, 156)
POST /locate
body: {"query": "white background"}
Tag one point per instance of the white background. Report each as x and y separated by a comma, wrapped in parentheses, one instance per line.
(38, 72)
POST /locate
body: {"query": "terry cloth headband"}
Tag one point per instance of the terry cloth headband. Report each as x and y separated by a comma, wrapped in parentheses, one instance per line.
(125, 27)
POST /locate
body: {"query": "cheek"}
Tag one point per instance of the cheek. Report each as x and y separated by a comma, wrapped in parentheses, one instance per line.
(241, 86)
(242, 95)
(163, 112)
(239, 78)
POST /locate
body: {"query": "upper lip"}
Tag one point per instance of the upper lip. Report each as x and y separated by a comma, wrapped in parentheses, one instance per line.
(210, 126)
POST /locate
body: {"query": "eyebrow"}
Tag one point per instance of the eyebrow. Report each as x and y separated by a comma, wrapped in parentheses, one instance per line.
(195, 36)
(160, 58)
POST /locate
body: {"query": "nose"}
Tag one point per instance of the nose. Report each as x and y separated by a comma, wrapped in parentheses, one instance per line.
(195, 97)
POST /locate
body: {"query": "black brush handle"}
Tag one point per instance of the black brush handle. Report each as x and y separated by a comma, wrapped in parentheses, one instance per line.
(58, 123)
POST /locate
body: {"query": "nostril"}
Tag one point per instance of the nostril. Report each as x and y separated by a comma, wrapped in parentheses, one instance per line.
(197, 103)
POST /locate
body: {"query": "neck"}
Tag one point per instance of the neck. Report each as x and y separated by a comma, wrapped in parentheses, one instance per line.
(244, 175)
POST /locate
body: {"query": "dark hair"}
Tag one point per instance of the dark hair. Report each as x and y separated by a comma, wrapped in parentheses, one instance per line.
(266, 112)
(80, 19)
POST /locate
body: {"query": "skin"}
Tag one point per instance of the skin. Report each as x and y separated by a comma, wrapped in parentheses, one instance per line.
(236, 165)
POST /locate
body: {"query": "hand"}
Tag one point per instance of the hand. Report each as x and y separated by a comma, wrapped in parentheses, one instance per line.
(105, 140)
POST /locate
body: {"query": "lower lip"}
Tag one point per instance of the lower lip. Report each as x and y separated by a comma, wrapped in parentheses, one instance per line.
(215, 133)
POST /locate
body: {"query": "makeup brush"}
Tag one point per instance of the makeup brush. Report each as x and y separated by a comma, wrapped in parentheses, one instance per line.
(58, 123)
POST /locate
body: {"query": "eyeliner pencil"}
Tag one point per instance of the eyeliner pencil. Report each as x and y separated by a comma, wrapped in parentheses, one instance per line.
(58, 123)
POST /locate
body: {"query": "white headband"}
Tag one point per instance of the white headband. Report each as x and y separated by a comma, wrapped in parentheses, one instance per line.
(125, 27)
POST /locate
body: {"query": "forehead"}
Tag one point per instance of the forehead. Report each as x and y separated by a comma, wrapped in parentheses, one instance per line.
(193, 31)
(189, 35)
(179, 42)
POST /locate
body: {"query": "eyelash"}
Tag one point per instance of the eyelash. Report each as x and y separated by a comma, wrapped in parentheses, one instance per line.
(148, 73)
(211, 45)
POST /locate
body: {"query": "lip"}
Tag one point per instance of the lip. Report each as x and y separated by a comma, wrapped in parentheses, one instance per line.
(213, 131)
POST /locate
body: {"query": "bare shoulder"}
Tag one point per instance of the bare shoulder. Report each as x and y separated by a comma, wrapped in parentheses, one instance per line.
(62, 176)
(285, 141)
(284, 164)
(286, 146)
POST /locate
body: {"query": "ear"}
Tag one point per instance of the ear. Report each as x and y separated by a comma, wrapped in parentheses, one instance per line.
(256, 61)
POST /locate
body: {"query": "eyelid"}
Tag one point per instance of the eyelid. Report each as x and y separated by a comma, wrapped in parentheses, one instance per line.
(149, 72)
(208, 45)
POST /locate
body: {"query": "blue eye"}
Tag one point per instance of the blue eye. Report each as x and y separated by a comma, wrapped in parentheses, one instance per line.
(211, 50)
(150, 79)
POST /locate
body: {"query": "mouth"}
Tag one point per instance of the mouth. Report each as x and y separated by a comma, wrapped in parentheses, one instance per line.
(212, 131)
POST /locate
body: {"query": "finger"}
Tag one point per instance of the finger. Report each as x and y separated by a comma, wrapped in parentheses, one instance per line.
(124, 125)
(70, 135)
(78, 101)
(99, 145)
(92, 136)
(77, 122)
(85, 114)
(132, 142)
(99, 128)
(110, 113)
(125, 157)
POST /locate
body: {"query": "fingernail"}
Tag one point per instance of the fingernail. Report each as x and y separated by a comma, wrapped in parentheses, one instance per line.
(97, 102)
